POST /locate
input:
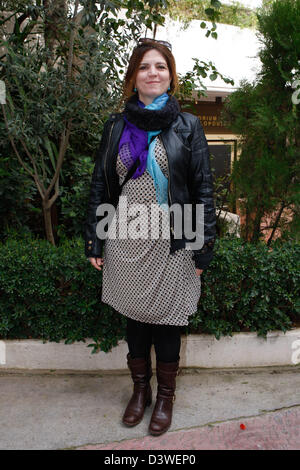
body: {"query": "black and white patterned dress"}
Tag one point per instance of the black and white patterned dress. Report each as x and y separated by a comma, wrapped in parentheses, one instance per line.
(141, 280)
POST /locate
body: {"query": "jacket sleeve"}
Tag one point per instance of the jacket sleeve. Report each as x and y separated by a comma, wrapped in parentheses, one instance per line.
(201, 187)
(93, 244)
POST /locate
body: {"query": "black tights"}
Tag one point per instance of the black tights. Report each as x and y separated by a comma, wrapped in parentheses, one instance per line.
(166, 339)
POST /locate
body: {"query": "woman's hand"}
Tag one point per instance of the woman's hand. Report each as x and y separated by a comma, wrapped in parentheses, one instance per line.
(199, 271)
(96, 262)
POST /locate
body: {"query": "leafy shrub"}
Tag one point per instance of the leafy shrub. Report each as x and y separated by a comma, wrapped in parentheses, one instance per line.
(249, 287)
(53, 293)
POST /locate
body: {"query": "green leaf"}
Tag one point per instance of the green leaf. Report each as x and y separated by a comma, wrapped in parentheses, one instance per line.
(209, 11)
(216, 4)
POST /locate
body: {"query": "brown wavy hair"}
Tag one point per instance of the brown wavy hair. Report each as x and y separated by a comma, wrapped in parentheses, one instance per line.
(135, 60)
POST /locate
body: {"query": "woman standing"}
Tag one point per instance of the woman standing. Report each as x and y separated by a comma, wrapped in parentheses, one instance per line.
(154, 282)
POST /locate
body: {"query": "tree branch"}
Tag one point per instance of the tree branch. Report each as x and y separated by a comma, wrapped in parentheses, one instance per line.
(39, 184)
(13, 144)
(64, 141)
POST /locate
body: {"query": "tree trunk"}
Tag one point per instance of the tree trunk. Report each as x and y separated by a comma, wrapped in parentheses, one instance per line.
(48, 221)
(276, 222)
(55, 19)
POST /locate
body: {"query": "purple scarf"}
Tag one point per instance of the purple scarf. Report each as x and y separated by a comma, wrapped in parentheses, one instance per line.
(134, 144)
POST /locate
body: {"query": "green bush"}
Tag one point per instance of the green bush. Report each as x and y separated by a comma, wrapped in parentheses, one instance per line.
(53, 293)
(249, 287)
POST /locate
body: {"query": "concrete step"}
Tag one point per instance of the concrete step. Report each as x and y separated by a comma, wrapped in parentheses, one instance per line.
(240, 350)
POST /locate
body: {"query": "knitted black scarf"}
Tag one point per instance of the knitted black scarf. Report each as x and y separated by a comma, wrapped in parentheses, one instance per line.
(151, 120)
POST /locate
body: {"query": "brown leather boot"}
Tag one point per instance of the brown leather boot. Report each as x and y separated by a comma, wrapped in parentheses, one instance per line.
(166, 384)
(141, 373)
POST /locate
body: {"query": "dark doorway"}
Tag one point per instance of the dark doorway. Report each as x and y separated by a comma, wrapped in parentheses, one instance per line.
(220, 158)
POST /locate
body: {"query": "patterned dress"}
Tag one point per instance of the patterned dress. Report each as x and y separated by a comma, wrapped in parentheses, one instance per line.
(141, 280)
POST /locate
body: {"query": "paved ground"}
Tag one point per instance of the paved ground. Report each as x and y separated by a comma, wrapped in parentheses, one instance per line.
(63, 410)
(270, 431)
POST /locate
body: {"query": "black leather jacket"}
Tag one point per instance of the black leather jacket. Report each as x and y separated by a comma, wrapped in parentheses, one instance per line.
(190, 180)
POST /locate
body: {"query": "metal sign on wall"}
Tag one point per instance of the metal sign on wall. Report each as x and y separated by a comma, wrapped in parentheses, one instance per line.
(209, 115)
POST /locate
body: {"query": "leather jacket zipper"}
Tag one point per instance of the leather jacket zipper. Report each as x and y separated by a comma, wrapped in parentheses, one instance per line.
(111, 129)
(169, 192)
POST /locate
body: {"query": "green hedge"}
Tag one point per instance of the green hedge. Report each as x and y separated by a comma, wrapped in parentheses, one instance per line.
(53, 293)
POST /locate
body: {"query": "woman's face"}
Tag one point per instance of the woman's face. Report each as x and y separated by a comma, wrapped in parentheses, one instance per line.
(153, 77)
